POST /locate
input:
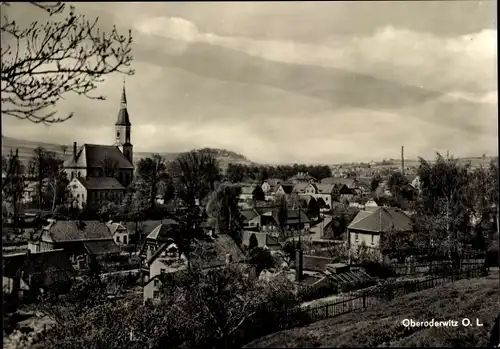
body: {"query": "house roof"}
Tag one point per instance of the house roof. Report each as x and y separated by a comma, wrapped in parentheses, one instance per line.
(61, 231)
(381, 219)
(314, 263)
(96, 155)
(40, 265)
(213, 253)
(300, 187)
(263, 239)
(325, 188)
(287, 188)
(113, 227)
(350, 182)
(274, 181)
(248, 189)
(306, 198)
(163, 232)
(301, 176)
(101, 183)
(144, 226)
(249, 214)
(101, 247)
(293, 216)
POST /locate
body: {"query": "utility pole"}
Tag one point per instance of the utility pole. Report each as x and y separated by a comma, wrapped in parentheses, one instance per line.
(402, 161)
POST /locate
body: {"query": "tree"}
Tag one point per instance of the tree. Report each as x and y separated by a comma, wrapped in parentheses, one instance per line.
(43, 62)
(195, 174)
(14, 183)
(43, 166)
(235, 173)
(397, 183)
(223, 207)
(253, 242)
(152, 171)
(376, 180)
(282, 206)
(446, 196)
(110, 167)
(261, 259)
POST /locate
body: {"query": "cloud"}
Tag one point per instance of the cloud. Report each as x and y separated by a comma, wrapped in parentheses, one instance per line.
(345, 95)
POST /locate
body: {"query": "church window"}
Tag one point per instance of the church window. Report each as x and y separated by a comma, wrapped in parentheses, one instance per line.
(79, 174)
(118, 134)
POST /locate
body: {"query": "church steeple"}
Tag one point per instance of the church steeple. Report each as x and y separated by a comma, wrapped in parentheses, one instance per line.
(123, 119)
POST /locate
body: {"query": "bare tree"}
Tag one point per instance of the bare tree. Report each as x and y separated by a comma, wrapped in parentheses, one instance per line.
(14, 182)
(44, 61)
(109, 166)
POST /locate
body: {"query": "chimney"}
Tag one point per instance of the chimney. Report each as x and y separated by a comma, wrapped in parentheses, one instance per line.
(402, 160)
(74, 151)
(229, 258)
(299, 259)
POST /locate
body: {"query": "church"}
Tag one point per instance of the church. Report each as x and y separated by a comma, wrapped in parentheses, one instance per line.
(101, 173)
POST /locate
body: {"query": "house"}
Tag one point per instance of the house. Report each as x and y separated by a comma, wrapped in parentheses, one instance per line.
(351, 183)
(121, 235)
(327, 193)
(371, 203)
(264, 240)
(296, 220)
(252, 219)
(94, 191)
(157, 241)
(345, 193)
(369, 224)
(101, 161)
(213, 253)
(39, 271)
(302, 177)
(310, 205)
(284, 189)
(252, 192)
(81, 241)
(271, 184)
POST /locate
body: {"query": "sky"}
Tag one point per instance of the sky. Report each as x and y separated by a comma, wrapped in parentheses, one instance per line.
(305, 82)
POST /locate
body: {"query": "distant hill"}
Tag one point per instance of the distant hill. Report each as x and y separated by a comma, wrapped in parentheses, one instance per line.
(26, 149)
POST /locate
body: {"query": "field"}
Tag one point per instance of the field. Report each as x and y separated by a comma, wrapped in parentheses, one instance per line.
(380, 326)
(26, 149)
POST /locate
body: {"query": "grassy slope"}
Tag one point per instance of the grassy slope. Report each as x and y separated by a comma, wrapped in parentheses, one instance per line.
(378, 326)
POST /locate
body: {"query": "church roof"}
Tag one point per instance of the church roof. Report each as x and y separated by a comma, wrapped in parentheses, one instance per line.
(96, 155)
(101, 183)
(123, 119)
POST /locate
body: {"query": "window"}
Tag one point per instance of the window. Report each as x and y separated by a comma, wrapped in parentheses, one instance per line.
(156, 294)
(157, 282)
(79, 174)
(77, 196)
(163, 271)
(72, 174)
(118, 134)
(125, 239)
(118, 239)
(356, 237)
(373, 242)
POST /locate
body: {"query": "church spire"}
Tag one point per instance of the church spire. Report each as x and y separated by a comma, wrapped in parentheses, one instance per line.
(123, 119)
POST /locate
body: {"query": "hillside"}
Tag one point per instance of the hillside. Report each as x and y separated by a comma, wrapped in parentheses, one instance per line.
(378, 326)
(26, 149)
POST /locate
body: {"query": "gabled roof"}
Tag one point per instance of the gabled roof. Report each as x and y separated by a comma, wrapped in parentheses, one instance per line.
(213, 253)
(96, 156)
(114, 226)
(62, 231)
(300, 187)
(163, 232)
(381, 219)
(248, 189)
(287, 188)
(263, 239)
(40, 265)
(101, 247)
(101, 183)
(350, 182)
(249, 214)
(293, 216)
(325, 188)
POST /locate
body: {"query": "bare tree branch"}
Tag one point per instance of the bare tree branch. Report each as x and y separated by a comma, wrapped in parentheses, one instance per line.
(45, 61)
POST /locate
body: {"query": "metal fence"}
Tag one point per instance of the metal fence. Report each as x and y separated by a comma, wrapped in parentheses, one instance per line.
(346, 304)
